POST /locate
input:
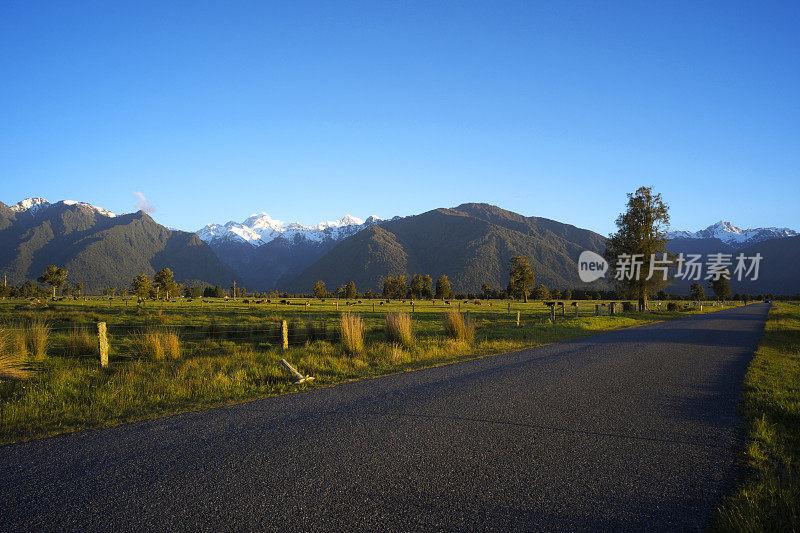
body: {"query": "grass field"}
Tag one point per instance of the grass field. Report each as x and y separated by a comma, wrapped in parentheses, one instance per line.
(168, 357)
(769, 499)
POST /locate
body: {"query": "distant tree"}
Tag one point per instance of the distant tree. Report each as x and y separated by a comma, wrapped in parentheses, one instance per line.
(164, 281)
(67, 289)
(388, 285)
(141, 286)
(108, 291)
(193, 292)
(555, 294)
(417, 286)
(340, 292)
(427, 287)
(721, 287)
(219, 292)
(697, 292)
(319, 290)
(79, 288)
(443, 287)
(641, 237)
(567, 294)
(53, 276)
(662, 295)
(486, 290)
(541, 293)
(520, 276)
(369, 295)
(350, 291)
(400, 286)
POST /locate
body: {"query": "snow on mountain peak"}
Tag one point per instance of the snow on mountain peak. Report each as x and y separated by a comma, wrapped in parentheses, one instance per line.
(260, 228)
(33, 205)
(29, 204)
(733, 235)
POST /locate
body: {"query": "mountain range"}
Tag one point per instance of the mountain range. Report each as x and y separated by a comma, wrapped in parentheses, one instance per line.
(471, 243)
(99, 248)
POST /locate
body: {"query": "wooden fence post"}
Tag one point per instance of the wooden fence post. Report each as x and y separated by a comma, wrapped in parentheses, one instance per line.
(285, 334)
(102, 344)
(517, 318)
(596, 310)
(509, 307)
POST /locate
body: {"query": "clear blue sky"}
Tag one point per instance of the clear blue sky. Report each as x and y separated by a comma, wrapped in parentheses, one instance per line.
(215, 110)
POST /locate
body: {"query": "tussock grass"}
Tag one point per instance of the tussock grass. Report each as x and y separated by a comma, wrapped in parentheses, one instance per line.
(398, 329)
(457, 328)
(158, 345)
(13, 356)
(79, 342)
(351, 329)
(37, 338)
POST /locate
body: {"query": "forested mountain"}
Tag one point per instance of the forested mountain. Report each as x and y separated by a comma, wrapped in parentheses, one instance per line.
(98, 248)
(471, 244)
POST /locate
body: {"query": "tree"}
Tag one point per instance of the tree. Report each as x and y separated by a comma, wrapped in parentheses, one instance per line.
(164, 281)
(417, 286)
(443, 287)
(79, 288)
(541, 293)
(662, 295)
(53, 276)
(427, 284)
(193, 292)
(567, 294)
(350, 291)
(141, 286)
(319, 290)
(697, 292)
(641, 239)
(721, 287)
(520, 276)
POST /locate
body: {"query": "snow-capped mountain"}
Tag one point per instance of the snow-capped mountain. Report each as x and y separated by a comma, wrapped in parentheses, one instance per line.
(34, 205)
(734, 236)
(260, 228)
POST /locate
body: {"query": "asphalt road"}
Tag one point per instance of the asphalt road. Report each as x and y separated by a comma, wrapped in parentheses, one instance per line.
(634, 429)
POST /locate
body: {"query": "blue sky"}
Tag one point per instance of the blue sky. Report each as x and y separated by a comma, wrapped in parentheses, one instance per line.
(308, 111)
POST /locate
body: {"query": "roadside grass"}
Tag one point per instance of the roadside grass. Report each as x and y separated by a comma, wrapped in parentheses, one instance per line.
(182, 357)
(769, 498)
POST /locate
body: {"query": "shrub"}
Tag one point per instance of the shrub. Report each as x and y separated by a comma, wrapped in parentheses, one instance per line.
(627, 307)
(672, 306)
(398, 329)
(352, 332)
(457, 328)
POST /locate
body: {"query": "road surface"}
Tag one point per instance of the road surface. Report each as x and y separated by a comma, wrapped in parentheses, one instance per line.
(634, 429)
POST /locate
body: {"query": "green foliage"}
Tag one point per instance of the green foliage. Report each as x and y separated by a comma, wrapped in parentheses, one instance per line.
(164, 281)
(541, 293)
(350, 291)
(697, 292)
(141, 285)
(520, 276)
(641, 231)
(53, 276)
(443, 287)
(395, 287)
(721, 287)
(319, 289)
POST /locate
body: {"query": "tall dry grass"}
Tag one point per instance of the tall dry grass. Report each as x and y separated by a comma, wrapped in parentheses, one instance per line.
(398, 329)
(457, 328)
(37, 335)
(79, 341)
(158, 344)
(13, 356)
(352, 333)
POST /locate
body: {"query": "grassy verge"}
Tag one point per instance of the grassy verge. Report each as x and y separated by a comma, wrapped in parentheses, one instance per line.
(769, 499)
(165, 368)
